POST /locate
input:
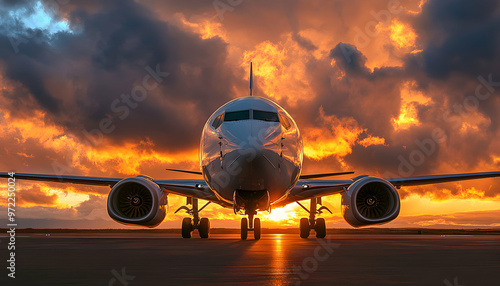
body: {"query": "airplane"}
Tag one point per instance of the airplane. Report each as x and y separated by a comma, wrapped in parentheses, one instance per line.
(251, 156)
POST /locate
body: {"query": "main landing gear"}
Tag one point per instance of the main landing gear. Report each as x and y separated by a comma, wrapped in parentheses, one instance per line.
(188, 224)
(318, 224)
(250, 224)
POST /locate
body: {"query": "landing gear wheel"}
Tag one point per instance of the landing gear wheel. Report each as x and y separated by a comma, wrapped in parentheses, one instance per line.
(204, 228)
(256, 228)
(244, 228)
(304, 228)
(320, 228)
(187, 227)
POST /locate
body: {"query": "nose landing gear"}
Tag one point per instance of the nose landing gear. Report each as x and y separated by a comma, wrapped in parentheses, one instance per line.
(250, 224)
(319, 225)
(251, 201)
(189, 225)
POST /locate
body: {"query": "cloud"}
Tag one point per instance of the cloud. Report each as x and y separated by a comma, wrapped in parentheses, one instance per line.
(464, 37)
(349, 59)
(83, 73)
(34, 195)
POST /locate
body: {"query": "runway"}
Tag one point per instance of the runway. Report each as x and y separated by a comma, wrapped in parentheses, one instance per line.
(276, 259)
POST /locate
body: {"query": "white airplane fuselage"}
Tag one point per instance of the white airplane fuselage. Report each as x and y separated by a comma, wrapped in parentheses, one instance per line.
(251, 153)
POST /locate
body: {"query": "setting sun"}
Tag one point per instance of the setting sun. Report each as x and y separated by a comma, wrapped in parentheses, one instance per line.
(283, 214)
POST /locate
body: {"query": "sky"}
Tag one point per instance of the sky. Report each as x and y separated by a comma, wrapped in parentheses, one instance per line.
(385, 88)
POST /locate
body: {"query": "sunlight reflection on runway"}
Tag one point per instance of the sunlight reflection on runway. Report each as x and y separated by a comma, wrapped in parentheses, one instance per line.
(279, 267)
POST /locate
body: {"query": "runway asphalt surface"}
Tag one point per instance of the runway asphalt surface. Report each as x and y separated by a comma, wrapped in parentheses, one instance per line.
(276, 259)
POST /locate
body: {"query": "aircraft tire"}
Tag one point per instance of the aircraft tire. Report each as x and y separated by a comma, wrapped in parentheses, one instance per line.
(204, 228)
(304, 228)
(244, 228)
(187, 227)
(320, 228)
(256, 229)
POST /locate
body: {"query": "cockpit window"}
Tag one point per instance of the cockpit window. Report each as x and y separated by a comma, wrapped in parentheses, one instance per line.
(265, 116)
(237, 115)
(217, 121)
(245, 115)
(285, 122)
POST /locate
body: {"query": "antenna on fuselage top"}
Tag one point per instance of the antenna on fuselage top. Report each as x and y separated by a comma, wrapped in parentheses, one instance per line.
(251, 80)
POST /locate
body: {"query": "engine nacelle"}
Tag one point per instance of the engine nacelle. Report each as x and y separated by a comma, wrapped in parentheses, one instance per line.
(370, 201)
(137, 201)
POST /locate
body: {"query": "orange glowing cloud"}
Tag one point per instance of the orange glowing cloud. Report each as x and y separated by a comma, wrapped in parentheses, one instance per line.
(379, 51)
(206, 28)
(372, 140)
(335, 137)
(419, 9)
(126, 159)
(40, 194)
(473, 121)
(402, 35)
(280, 69)
(410, 100)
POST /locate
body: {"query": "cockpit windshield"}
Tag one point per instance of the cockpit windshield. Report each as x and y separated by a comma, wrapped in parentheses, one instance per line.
(251, 114)
(237, 115)
(266, 116)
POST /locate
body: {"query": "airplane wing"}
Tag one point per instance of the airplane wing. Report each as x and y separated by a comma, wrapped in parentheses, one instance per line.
(315, 176)
(306, 189)
(96, 181)
(188, 188)
(435, 179)
(191, 188)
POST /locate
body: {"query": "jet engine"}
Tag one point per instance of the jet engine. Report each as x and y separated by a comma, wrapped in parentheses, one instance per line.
(370, 201)
(137, 201)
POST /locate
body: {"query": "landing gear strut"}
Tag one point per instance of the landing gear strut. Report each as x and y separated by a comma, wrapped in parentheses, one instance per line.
(250, 224)
(188, 224)
(318, 224)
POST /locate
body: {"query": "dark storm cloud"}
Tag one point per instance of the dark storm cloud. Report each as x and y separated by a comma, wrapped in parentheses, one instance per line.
(350, 89)
(106, 56)
(349, 59)
(371, 98)
(304, 43)
(460, 36)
